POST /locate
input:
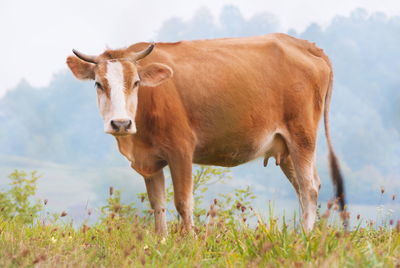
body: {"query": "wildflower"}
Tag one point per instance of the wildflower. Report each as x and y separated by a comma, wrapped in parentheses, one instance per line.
(163, 241)
(53, 239)
(145, 247)
(127, 252)
(39, 259)
(24, 253)
(139, 237)
(266, 247)
(45, 201)
(298, 264)
(84, 228)
(213, 211)
(142, 260)
(329, 204)
(117, 207)
(111, 190)
(345, 215)
(326, 214)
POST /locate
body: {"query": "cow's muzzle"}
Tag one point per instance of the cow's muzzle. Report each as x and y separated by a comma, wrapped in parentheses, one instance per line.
(121, 127)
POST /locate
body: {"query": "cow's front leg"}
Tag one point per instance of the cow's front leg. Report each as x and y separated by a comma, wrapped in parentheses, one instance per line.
(181, 172)
(155, 186)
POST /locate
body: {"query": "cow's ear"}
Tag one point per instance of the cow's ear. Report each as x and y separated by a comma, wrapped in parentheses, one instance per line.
(81, 69)
(154, 74)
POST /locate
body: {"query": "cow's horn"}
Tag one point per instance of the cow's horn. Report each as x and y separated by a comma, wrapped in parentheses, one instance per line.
(88, 58)
(140, 55)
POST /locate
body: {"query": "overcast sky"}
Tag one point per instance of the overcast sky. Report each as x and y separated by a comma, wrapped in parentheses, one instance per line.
(36, 36)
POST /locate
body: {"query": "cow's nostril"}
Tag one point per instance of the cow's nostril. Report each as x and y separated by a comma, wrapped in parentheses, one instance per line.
(129, 125)
(114, 125)
(121, 125)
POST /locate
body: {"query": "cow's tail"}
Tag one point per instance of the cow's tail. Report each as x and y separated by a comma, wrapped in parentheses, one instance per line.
(336, 175)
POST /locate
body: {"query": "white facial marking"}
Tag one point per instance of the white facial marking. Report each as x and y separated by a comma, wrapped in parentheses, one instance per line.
(118, 106)
(115, 78)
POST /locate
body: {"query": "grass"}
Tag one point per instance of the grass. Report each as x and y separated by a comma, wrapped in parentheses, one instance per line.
(119, 242)
(123, 235)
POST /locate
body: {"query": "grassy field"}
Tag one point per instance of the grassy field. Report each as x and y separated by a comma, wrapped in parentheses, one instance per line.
(124, 237)
(120, 243)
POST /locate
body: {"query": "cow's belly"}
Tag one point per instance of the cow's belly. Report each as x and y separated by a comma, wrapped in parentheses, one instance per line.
(226, 156)
(231, 152)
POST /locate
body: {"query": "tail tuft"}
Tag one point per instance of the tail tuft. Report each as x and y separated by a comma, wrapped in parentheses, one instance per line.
(337, 180)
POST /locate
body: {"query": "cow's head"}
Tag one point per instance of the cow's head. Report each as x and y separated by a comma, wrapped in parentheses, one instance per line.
(117, 79)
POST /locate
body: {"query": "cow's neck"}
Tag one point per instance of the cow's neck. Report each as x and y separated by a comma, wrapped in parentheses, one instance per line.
(144, 149)
(144, 158)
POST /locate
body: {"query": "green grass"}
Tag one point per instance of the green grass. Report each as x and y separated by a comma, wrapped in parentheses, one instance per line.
(30, 237)
(118, 242)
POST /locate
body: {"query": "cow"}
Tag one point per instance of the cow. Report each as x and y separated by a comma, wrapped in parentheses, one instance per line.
(218, 102)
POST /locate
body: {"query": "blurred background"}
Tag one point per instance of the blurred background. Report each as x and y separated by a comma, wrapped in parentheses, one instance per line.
(50, 123)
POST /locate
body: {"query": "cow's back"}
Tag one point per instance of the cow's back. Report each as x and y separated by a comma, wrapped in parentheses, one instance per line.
(236, 91)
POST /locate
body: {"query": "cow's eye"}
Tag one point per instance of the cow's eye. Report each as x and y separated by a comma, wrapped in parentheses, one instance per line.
(98, 86)
(136, 84)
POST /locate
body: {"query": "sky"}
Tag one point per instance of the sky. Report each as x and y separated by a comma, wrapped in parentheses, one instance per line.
(38, 35)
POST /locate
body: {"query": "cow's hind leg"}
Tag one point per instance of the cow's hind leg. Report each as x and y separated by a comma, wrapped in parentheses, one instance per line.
(302, 152)
(288, 169)
(155, 186)
(317, 180)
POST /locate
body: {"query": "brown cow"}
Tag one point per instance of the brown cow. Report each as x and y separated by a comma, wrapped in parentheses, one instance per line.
(215, 102)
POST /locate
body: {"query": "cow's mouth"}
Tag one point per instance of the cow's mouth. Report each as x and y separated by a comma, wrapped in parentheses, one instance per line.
(121, 134)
